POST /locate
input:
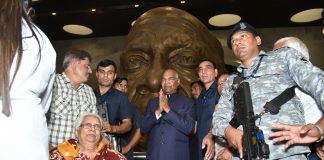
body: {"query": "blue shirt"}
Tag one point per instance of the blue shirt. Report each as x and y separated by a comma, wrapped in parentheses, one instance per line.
(118, 105)
(205, 108)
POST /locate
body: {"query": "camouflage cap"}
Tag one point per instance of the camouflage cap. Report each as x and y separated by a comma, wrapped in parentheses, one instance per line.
(242, 26)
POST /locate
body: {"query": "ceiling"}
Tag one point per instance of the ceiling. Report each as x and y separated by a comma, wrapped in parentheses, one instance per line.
(114, 17)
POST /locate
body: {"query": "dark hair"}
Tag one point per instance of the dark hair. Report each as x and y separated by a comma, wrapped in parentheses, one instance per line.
(74, 54)
(119, 80)
(11, 46)
(209, 60)
(106, 63)
(197, 82)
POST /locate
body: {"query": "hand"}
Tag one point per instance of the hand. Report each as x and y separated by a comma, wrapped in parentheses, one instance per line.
(234, 138)
(224, 154)
(163, 101)
(320, 150)
(125, 149)
(295, 134)
(106, 126)
(209, 142)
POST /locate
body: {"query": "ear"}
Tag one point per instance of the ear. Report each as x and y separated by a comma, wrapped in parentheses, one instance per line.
(76, 134)
(115, 76)
(258, 39)
(97, 74)
(216, 72)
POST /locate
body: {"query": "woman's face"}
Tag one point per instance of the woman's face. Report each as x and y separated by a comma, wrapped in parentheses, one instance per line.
(89, 131)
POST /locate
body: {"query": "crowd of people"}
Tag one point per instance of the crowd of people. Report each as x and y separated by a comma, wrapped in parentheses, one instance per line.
(58, 116)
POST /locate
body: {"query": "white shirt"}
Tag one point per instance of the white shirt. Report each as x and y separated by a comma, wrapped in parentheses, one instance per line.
(311, 111)
(24, 134)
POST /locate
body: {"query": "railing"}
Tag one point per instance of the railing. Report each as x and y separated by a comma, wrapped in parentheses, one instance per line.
(139, 155)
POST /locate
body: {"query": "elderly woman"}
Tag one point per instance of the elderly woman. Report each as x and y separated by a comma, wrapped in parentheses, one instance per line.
(87, 145)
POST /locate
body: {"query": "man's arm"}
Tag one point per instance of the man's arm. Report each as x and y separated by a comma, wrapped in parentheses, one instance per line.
(223, 114)
(208, 142)
(223, 110)
(184, 122)
(307, 76)
(149, 120)
(124, 127)
(135, 139)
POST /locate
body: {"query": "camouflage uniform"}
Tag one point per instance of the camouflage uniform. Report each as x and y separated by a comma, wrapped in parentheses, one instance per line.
(279, 69)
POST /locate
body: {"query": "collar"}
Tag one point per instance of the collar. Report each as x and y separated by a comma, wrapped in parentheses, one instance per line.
(212, 87)
(255, 61)
(172, 94)
(110, 91)
(68, 81)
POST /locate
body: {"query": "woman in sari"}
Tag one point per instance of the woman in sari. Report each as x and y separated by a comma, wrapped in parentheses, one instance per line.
(88, 144)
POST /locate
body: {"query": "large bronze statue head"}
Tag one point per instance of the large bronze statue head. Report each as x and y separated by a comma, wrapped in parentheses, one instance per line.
(161, 38)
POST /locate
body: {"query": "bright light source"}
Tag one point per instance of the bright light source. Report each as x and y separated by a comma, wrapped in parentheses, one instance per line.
(223, 20)
(93, 10)
(307, 15)
(77, 29)
(136, 5)
(53, 13)
(182, 2)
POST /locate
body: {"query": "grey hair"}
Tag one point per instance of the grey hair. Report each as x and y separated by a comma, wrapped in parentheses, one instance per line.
(79, 121)
(177, 75)
(74, 54)
(295, 43)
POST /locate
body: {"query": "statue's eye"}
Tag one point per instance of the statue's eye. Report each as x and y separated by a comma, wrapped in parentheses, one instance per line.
(135, 62)
(184, 59)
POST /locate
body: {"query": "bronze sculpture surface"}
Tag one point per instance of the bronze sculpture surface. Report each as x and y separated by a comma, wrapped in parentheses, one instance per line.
(166, 37)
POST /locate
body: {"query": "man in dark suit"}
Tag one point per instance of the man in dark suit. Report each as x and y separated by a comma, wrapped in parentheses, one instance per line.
(169, 120)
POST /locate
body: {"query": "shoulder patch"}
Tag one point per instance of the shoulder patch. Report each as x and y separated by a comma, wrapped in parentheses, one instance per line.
(303, 59)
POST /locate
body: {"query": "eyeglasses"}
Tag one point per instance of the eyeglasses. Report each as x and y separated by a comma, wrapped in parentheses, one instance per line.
(89, 126)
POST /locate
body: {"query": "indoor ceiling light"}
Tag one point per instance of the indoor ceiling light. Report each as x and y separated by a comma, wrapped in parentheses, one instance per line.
(223, 20)
(77, 29)
(53, 13)
(93, 10)
(307, 15)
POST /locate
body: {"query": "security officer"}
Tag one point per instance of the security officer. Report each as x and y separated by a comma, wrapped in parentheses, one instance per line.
(268, 75)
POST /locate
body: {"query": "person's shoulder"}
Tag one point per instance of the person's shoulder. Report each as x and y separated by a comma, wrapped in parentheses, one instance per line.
(60, 79)
(284, 52)
(87, 87)
(184, 98)
(113, 91)
(287, 53)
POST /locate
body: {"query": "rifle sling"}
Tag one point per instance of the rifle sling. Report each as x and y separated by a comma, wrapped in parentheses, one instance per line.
(273, 106)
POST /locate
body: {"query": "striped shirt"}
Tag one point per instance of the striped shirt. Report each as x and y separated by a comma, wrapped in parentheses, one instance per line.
(66, 106)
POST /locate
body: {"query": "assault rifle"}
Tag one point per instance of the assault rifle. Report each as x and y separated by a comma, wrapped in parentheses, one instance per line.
(254, 146)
